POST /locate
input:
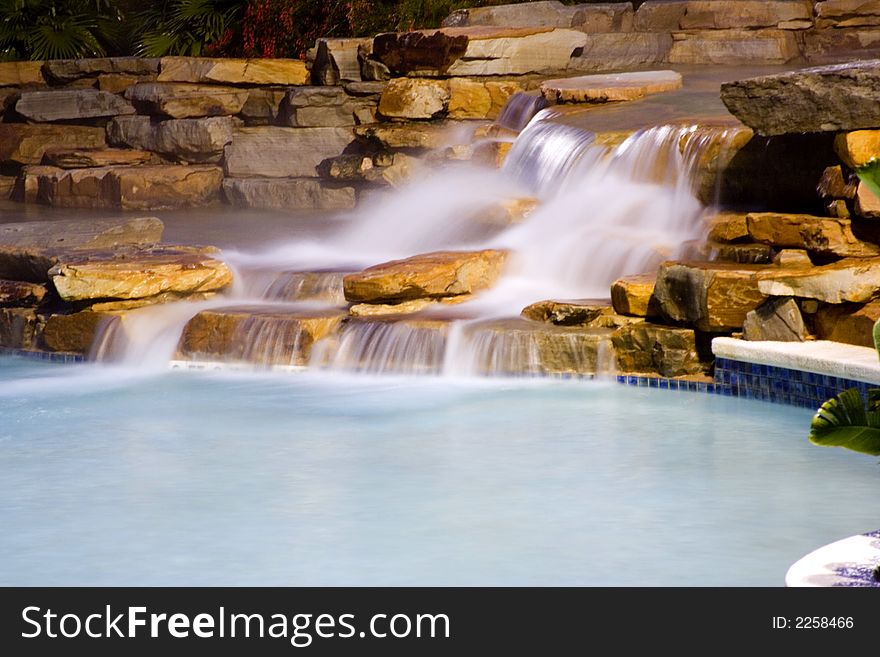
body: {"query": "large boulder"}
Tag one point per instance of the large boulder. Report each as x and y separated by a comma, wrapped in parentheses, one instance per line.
(20, 74)
(815, 234)
(283, 152)
(70, 104)
(778, 319)
(712, 296)
(260, 335)
(851, 279)
(182, 101)
(634, 296)
(660, 15)
(430, 275)
(643, 347)
(821, 99)
(76, 332)
(858, 148)
(233, 71)
(187, 140)
(150, 187)
(138, 273)
(726, 47)
(326, 107)
(23, 143)
(848, 322)
(610, 87)
(288, 194)
(21, 293)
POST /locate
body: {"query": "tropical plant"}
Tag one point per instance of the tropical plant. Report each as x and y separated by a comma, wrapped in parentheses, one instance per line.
(58, 29)
(870, 175)
(184, 27)
(845, 421)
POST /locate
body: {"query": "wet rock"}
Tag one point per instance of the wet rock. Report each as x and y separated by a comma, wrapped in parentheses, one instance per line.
(858, 148)
(410, 135)
(261, 335)
(19, 74)
(778, 320)
(581, 312)
(511, 347)
(287, 193)
(233, 71)
(851, 279)
(847, 322)
(745, 254)
(68, 70)
(711, 296)
(840, 97)
(734, 47)
(81, 158)
(430, 275)
(643, 347)
(815, 234)
(322, 285)
(138, 274)
(610, 87)
(150, 187)
(714, 15)
(119, 305)
(283, 152)
(621, 51)
(70, 104)
(867, 204)
(380, 309)
(22, 143)
(634, 295)
(18, 327)
(187, 140)
(74, 333)
(182, 101)
(21, 294)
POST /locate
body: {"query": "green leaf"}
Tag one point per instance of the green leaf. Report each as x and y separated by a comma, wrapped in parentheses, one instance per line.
(870, 175)
(843, 422)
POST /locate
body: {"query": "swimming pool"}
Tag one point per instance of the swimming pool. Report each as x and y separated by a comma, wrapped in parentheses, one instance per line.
(111, 477)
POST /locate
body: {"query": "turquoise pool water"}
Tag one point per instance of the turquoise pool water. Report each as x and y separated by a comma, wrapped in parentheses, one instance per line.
(110, 477)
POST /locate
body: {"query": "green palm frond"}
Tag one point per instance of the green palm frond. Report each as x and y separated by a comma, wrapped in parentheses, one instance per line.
(843, 421)
(870, 175)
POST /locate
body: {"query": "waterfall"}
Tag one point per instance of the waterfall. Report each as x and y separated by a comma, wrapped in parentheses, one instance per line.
(609, 207)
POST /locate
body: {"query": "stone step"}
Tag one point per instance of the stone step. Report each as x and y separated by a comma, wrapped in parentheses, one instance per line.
(610, 87)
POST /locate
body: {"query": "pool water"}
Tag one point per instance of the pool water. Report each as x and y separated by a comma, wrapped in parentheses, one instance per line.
(112, 477)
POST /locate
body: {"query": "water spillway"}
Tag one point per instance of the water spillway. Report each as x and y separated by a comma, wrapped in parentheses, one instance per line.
(605, 206)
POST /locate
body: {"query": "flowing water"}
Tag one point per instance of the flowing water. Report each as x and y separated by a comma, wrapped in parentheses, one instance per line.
(121, 472)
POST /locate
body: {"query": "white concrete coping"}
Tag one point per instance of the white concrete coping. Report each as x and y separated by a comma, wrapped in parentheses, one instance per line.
(221, 366)
(820, 357)
(847, 562)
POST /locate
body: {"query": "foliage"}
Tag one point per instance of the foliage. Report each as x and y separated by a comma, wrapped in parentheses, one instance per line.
(183, 27)
(870, 175)
(844, 421)
(287, 28)
(58, 29)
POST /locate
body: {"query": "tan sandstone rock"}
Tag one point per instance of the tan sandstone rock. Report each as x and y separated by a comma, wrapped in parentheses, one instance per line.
(634, 295)
(23, 143)
(233, 71)
(610, 87)
(181, 100)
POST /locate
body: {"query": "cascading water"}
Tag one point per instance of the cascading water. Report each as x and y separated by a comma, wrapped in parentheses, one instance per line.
(605, 211)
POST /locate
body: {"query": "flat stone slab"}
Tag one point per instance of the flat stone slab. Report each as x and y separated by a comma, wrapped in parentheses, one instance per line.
(24, 143)
(288, 194)
(138, 273)
(180, 100)
(80, 158)
(610, 87)
(68, 104)
(67, 70)
(15, 74)
(199, 140)
(821, 99)
(233, 71)
(96, 233)
(273, 152)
